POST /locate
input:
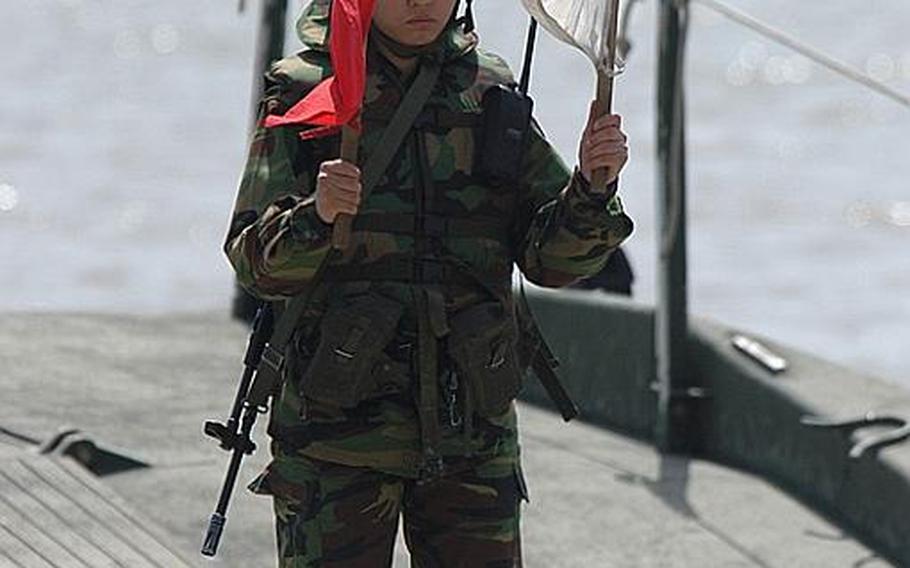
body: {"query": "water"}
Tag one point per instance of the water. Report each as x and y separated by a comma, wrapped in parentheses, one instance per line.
(122, 133)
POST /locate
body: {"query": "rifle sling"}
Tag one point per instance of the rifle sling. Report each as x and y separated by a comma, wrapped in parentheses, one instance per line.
(542, 359)
(410, 108)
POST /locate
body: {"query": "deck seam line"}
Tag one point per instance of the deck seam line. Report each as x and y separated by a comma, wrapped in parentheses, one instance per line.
(127, 514)
(53, 513)
(26, 543)
(116, 532)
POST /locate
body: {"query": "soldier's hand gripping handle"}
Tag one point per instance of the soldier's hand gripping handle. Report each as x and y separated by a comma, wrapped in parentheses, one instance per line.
(341, 232)
(603, 174)
(603, 151)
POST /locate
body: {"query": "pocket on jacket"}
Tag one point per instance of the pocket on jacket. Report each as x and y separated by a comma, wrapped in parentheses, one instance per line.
(483, 347)
(351, 339)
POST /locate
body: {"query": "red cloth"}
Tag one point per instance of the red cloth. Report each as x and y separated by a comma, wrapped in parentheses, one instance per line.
(336, 101)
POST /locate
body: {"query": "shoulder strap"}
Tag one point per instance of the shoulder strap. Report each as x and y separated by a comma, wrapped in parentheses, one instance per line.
(541, 358)
(402, 121)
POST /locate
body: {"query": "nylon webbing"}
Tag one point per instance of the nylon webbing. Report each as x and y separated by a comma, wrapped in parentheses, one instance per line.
(434, 226)
(406, 269)
(440, 117)
(398, 129)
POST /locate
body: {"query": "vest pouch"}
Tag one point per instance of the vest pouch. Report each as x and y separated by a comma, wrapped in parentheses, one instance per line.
(351, 339)
(482, 346)
(505, 134)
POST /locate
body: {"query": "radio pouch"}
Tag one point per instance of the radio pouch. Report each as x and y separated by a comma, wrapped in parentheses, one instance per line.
(504, 134)
(482, 345)
(351, 340)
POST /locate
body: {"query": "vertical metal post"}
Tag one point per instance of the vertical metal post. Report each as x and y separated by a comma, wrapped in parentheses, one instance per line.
(675, 428)
(269, 47)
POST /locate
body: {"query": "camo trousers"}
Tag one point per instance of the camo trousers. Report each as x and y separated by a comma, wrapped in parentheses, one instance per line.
(334, 516)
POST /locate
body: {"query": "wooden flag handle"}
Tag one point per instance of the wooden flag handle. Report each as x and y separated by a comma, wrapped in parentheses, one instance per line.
(341, 230)
(603, 104)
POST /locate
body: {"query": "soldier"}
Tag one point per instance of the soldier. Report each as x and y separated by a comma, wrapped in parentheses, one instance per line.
(398, 392)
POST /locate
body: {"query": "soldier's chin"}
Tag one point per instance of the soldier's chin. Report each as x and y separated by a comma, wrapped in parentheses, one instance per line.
(420, 38)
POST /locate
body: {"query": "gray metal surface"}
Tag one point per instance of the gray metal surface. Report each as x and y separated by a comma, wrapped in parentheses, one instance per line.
(750, 417)
(598, 499)
(55, 514)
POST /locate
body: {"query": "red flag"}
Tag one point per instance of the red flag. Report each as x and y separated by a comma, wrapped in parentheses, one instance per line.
(336, 101)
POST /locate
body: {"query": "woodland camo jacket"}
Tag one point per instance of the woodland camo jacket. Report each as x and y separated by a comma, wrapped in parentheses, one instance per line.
(555, 230)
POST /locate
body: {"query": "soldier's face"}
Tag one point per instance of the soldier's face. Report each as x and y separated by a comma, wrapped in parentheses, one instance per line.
(413, 22)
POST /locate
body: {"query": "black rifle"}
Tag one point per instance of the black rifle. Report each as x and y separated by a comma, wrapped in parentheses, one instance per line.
(234, 435)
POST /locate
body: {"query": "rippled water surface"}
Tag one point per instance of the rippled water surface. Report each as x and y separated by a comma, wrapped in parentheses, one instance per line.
(122, 133)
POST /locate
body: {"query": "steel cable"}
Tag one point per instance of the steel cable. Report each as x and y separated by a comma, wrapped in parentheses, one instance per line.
(808, 51)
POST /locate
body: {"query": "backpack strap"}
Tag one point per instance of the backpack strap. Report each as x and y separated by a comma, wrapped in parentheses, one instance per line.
(410, 108)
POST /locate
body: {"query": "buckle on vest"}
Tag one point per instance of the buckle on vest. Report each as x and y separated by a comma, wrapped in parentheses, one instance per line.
(431, 468)
(430, 271)
(273, 359)
(435, 225)
(428, 117)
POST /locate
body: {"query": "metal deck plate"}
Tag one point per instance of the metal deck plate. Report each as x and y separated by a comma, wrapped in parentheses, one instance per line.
(53, 513)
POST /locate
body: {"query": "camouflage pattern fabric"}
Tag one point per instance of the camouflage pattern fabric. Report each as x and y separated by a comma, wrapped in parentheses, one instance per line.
(333, 516)
(556, 230)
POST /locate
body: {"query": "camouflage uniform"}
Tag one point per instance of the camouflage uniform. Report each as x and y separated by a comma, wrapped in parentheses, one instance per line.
(342, 473)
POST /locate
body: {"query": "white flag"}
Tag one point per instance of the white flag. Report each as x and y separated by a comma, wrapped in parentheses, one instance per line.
(584, 24)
